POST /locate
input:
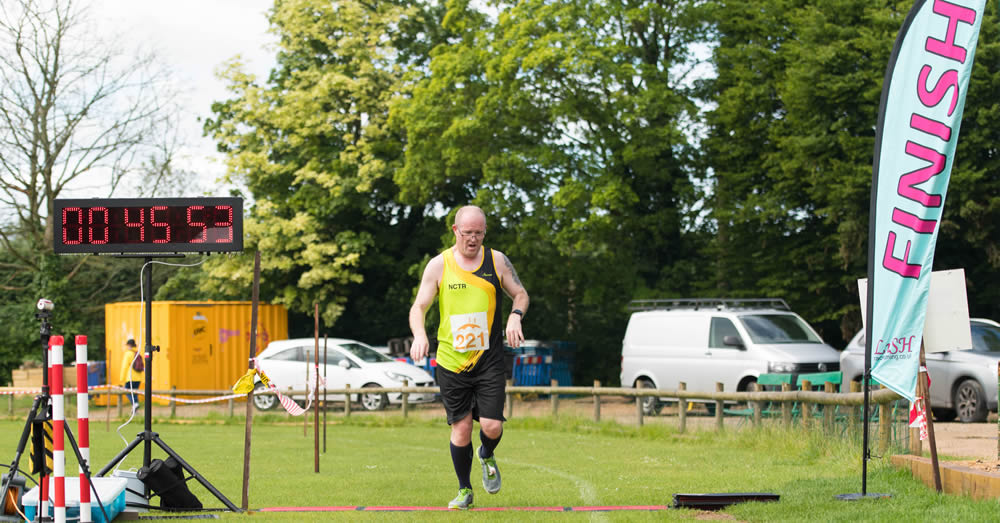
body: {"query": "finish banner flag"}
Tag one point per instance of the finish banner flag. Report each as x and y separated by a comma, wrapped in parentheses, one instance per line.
(923, 97)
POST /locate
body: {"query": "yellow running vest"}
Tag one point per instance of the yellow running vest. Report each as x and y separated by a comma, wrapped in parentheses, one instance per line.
(469, 305)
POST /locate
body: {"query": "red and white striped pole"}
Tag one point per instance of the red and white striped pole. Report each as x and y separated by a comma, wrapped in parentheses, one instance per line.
(43, 480)
(83, 424)
(58, 427)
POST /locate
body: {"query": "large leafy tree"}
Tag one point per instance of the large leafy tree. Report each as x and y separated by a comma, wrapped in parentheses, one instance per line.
(789, 151)
(313, 148)
(567, 122)
(790, 147)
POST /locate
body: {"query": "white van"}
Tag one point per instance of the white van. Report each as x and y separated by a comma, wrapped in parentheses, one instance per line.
(704, 341)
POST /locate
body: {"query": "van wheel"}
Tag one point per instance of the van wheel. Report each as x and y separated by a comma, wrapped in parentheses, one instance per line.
(650, 405)
(970, 402)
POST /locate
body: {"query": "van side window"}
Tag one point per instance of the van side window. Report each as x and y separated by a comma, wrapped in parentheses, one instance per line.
(721, 327)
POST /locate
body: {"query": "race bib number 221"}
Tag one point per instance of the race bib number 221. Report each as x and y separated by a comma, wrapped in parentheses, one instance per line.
(469, 332)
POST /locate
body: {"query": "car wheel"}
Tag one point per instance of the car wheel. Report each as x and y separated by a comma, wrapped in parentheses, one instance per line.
(970, 401)
(374, 401)
(263, 401)
(650, 405)
(944, 414)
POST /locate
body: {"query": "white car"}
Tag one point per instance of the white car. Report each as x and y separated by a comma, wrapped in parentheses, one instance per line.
(348, 362)
(963, 382)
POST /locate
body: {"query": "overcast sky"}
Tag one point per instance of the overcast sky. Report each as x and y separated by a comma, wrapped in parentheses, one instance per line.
(193, 38)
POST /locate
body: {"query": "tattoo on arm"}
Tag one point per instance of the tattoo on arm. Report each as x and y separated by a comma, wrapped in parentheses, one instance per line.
(513, 273)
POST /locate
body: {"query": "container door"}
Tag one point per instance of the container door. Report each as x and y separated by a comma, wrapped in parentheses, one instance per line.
(200, 359)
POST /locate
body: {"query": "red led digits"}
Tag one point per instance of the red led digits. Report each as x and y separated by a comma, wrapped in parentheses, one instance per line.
(104, 225)
(203, 236)
(156, 224)
(66, 226)
(139, 224)
(175, 225)
(227, 222)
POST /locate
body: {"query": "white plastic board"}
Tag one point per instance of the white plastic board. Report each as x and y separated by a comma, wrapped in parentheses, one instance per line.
(946, 326)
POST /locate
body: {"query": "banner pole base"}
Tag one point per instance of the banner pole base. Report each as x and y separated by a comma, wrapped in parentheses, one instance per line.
(859, 497)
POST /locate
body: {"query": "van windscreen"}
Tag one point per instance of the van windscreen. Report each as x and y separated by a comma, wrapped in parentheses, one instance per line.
(778, 328)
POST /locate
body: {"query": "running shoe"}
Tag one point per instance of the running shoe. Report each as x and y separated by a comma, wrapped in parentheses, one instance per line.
(463, 501)
(491, 473)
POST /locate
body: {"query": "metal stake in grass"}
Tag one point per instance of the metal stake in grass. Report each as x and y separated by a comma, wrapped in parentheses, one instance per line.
(326, 338)
(253, 352)
(316, 390)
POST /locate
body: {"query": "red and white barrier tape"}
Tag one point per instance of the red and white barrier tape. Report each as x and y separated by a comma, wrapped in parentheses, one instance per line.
(288, 403)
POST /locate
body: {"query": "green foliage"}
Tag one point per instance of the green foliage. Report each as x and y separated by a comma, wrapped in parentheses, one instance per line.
(79, 286)
(314, 149)
(566, 123)
(789, 155)
(610, 166)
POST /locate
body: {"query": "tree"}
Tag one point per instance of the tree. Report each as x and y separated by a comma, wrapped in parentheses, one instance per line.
(72, 108)
(790, 147)
(313, 147)
(789, 152)
(568, 123)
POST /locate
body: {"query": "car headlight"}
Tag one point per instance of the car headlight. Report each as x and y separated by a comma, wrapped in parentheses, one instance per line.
(780, 366)
(399, 377)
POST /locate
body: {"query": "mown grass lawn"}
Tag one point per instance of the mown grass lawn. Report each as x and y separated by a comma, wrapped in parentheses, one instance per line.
(390, 461)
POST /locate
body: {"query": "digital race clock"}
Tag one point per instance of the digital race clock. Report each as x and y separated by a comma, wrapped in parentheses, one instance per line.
(148, 225)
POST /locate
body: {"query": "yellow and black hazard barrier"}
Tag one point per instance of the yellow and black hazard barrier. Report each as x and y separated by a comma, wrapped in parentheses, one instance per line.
(41, 445)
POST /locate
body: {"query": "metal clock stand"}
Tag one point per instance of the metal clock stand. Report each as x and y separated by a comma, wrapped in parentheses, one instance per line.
(147, 436)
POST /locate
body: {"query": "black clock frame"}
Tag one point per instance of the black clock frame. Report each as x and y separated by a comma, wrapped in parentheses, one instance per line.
(169, 247)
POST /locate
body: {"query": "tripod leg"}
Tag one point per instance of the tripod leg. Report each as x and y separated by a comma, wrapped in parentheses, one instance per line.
(121, 455)
(86, 471)
(20, 447)
(193, 472)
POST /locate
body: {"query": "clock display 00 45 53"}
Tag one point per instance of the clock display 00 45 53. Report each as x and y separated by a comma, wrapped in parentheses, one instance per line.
(148, 225)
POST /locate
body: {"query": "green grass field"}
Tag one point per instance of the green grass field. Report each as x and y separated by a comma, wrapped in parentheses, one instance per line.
(391, 461)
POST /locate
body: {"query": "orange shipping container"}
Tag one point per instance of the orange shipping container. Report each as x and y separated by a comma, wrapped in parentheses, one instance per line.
(203, 345)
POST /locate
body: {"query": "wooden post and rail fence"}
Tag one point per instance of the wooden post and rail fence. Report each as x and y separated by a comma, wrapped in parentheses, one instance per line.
(758, 403)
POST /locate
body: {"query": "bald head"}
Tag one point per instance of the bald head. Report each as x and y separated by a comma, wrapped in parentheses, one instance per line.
(469, 213)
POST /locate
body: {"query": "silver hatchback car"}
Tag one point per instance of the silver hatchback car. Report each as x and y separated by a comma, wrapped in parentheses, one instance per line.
(963, 382)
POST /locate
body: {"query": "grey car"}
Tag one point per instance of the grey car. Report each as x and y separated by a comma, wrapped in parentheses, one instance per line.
(963, 383)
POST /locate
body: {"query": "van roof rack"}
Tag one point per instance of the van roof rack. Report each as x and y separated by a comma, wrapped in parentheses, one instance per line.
(708, 303)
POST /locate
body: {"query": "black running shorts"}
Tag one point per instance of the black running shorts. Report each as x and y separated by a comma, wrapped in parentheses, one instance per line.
(481, 392)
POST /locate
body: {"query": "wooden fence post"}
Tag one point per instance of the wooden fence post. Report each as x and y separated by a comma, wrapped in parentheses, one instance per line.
(807, 408)
(638, 404)
(510, 400)
(758, 406)
(786, 407)
(885, 427)
(231, 404)
(405, 399)
(10, 405)
(682, 408)
(107, 412)
(856, 413)
(554, 397)
(720, 422)
(597, 402)
(828, 409)
(173, 401)
(347, 400)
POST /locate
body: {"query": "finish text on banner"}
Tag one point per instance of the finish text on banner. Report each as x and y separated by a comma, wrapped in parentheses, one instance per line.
(923, 98)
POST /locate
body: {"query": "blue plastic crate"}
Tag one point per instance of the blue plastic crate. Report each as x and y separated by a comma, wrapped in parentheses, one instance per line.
(111, 491)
